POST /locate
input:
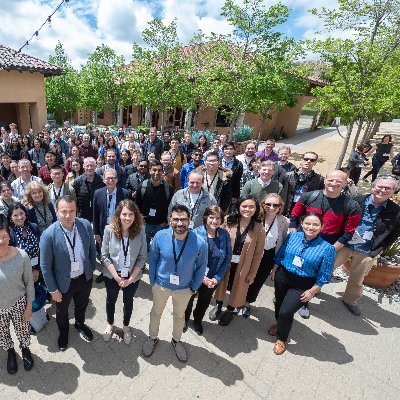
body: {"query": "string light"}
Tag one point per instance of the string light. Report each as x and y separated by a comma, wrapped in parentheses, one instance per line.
(48, 20)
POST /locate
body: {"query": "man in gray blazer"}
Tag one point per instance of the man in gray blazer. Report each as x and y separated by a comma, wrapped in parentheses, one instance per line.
(67, 261)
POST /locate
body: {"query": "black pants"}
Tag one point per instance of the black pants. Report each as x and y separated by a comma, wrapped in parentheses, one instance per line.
(204, 299)
(266, 264)
(355, 174)
(128, 293)
(288, 290)
(79, 290)
(376, 166)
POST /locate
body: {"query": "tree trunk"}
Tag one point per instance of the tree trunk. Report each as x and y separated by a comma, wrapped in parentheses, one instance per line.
(313, 126)
(162, 120)
(345, 144)
(261, 130)
(147, 117)
(360, 124)
(375, 128)
(188, 120)
(94, 117)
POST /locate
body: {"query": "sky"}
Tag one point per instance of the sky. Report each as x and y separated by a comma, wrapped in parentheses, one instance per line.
(82, 25)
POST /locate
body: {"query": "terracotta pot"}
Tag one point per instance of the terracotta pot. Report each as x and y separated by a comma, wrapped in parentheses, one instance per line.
(382, 276)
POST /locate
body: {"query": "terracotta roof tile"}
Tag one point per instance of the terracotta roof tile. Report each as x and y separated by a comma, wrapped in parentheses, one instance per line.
(11, 60)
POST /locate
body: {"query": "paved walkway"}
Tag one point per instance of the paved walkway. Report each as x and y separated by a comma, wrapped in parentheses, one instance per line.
(333, 355)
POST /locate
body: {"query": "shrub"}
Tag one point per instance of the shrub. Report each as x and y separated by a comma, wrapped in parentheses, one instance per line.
(142, 129)
(210, 135)
(243, 133)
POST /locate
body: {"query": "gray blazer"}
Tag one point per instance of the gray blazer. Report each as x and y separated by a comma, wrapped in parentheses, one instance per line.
(111, 247)
(54, 255)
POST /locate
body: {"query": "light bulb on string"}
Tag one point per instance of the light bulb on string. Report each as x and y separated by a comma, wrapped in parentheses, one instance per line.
(37, 35)
(49, 21)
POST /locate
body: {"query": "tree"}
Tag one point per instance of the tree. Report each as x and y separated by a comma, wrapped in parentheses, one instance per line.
(359, 64)
(62, 92)
(103, 81)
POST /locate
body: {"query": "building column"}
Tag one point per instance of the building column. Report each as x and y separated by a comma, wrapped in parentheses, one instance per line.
(23, 118)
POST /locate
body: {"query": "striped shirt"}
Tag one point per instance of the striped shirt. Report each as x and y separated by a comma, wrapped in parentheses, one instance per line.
(317, 257)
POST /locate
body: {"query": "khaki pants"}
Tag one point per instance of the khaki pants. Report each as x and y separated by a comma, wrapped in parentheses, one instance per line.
(361, 264)
(180, 299)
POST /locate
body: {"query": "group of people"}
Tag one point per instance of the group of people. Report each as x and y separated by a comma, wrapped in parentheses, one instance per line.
(205, 221)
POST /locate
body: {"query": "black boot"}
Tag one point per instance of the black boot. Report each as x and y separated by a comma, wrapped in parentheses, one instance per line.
(27, 358)
(12, 366)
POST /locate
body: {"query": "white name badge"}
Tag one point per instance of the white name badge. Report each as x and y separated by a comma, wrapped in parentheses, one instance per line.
(360, 165)
(124, 272)
(356, 239)
(235, 258)
(298, 262)
(34, 261)
(174, 279)
(368, 235)
(75, 266)
(191, 225)
(207, 271)
(152, 212)
(386, 155)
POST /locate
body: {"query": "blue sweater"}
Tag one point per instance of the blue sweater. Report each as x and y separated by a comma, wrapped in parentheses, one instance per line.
(219, 253)
(191, 267)
(317, 255)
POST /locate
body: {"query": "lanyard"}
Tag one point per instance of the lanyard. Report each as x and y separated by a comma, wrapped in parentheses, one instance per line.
(59, 192)
(125, 249)
(43, 216)
(213, 179)
(270, 226)
(240, 238)
(195, 204)
(180, 253)
(176, 155)
(71, 244)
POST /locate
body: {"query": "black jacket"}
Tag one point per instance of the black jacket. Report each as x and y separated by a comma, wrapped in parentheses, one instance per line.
(223, 188)
(387, 227)
(84, 191)
(237, 172)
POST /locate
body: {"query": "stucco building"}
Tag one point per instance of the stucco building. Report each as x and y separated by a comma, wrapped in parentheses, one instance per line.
(22, 94)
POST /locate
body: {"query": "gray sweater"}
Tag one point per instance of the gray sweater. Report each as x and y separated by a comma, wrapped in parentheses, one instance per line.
(16, 279)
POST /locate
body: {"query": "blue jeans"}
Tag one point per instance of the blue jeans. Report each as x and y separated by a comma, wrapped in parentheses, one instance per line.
(151, 230)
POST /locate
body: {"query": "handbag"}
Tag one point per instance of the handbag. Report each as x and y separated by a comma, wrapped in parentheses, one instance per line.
(39, 320)
(396, 168)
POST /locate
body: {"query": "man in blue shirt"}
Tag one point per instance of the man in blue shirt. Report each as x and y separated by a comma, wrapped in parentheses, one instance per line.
(177, 265)
(379, 228)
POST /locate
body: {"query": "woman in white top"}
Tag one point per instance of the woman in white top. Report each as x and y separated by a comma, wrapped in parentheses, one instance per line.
(123, 255)
(276, 228)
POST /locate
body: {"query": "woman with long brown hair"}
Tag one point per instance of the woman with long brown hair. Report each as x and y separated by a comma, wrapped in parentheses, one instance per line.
(123, 255)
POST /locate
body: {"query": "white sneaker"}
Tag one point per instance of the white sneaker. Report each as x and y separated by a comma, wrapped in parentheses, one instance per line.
(304, 312)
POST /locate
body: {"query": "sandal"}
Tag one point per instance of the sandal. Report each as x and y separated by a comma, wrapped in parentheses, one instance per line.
(273, 329)
(107, 335)
(280, 347)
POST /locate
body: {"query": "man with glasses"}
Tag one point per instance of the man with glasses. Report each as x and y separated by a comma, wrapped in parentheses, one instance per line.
(195, 162)
(378, 229)
(300, 181)
(135, 179)
(153, 197)
(177, 266)
(105, 201)
(58, 188)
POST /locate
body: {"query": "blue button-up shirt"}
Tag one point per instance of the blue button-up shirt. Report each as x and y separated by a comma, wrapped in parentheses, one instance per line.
(367, 224)
(228, 164)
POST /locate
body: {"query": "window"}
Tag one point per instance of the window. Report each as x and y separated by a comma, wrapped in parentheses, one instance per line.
(222, 118)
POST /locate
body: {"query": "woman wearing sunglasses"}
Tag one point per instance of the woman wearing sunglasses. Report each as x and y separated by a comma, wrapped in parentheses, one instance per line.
(276, 228)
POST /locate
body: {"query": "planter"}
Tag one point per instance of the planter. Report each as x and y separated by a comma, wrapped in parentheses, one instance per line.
(381, 276)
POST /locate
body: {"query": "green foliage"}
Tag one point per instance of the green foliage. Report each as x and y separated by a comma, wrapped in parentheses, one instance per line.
(143, 129)
(243, 133)
(210, 135)
(62, 92)
(103, 80)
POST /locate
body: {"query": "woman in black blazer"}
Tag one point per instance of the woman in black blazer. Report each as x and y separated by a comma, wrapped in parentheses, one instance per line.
(123, 255)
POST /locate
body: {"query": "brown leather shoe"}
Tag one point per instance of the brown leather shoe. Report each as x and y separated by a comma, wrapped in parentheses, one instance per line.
(272, 330)
(279, 347)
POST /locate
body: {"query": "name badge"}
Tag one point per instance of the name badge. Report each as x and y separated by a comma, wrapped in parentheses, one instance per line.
(360, 165)
(235, 258)
(368, 235)
(152, 212)
(191, 225)
(34, 261)
(356, 239)
(207, 271)
(75, 266)
(298, 262)
(174, 279)
(386, 155)
(124, 272)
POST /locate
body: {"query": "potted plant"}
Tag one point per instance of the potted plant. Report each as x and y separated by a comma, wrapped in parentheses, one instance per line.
(387, 270)
(242, 136)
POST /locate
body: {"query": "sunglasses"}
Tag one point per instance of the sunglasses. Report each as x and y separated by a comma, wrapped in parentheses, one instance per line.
(196, 155)
(275, 206)
(309, 159)
(143, 166)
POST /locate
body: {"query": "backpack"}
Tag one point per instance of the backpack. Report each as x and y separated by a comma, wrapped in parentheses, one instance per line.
(145, 184)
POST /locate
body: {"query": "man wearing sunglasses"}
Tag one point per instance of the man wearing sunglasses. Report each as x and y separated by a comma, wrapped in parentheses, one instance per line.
(302, 180)
(196, 161)
(135, 179)
(379, 229)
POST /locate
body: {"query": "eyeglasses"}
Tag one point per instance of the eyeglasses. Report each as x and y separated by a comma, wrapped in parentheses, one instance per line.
(276, 206)
(309, 159)
(110, 178)
(386, 188)
(176, 220)
(142, 166)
